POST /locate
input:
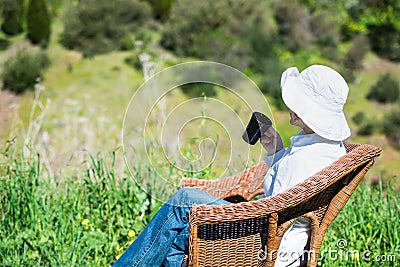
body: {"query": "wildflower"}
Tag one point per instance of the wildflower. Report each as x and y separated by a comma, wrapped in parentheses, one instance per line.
(368, 225)
(79, 217)
(131, 233)
(118, 256)
(356, 256)
(85, 222)
(119, 248)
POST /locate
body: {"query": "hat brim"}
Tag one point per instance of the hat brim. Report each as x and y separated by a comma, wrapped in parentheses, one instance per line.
(330, 124)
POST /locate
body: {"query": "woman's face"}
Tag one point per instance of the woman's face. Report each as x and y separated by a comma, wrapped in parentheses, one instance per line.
(296, 121)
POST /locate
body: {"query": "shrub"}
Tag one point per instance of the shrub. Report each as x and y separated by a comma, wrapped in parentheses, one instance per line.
(237, 33)
(386, 90)
(385, 40)
(38, 22)
(12, 14)
(23, 68)
(358, 118)
(100, 26)
(355, 56)
(294, 24)
(391, 126)
(198, 89)
(161, 8)
(326, 32)
(270, 82)
(380, 20)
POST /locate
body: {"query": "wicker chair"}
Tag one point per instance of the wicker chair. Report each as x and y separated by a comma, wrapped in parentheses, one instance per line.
(249, 233)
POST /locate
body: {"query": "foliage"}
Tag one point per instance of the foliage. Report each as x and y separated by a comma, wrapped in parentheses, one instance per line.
(365, 233)
(294, 24)
(385, 40)
(237, 33)
(385, 90)
(80, 221)
(12, 14)
(22, 69)
(354, 57)
(365, 125)
(198, 89)
(4, 43)
(161, 8)
(380, 20)
(38, 22)
(326, 32)
(100, 26)
(270, 82)
(358, 118)
(391, 127)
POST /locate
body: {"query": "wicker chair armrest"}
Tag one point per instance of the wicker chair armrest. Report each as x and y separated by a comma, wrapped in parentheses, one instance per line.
(246, 184)
(194, 182)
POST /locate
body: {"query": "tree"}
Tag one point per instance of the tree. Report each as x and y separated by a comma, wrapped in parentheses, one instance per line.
(380, 20)
(391, 127)
(354, 57)
(294, 22)
(22, 69)
(100, 26)
(237, 32)
(12, 14)
(161, 8)
(38, 22)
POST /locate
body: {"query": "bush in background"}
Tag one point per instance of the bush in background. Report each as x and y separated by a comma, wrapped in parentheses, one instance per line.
(270, 82)
(354, 57)
(100, 26)
(12, 15)
(380, 20)
(294, 24)
(386, 90)
(365, 125)
(198, 89)
(161, 8)
(237, 33)
(23, 68)
(327, 33)
(38, 22)
(391, 126)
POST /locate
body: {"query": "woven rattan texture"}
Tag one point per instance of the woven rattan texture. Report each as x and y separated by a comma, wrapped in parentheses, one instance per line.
(238, 234)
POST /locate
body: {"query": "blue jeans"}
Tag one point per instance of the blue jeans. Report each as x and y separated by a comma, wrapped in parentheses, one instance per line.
(164, 241)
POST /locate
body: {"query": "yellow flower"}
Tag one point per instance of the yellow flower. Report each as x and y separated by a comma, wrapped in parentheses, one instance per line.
(118, 256)
(368, 225)
(119, 248)
(79, 217)
(356, 256)
(85, 222)
(131, 233)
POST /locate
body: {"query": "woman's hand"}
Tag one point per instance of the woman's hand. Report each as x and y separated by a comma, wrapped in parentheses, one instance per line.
(271, 141)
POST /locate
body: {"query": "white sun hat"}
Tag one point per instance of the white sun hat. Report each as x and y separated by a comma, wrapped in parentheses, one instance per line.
(317, 96)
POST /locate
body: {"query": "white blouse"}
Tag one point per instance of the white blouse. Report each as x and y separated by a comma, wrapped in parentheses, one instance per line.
(306, 155)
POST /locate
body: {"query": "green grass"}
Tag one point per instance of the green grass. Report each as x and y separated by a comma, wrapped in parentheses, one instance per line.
(71, 221)
(368, 226)
(89, 219)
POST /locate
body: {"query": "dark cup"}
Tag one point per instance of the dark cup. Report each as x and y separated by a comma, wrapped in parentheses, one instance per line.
(258, 124)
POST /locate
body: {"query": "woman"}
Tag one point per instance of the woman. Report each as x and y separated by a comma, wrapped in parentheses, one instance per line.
(315, 98)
